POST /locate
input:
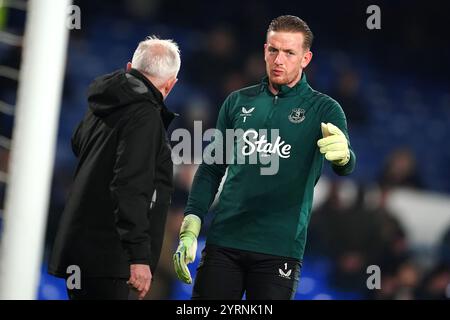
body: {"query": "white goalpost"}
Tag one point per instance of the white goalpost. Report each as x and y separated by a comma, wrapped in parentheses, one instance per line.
(33, 148)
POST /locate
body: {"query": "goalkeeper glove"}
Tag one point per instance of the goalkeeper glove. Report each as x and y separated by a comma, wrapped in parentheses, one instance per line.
(187, 248)
(334, 145)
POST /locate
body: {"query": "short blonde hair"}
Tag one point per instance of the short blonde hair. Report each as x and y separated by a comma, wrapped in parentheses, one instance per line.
(289, 23)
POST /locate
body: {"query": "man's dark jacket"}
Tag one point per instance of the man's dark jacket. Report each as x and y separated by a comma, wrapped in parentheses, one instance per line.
(116, 212)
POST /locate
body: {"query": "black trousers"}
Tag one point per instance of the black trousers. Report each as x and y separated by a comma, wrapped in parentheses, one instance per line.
(93, 288)
(225, 273)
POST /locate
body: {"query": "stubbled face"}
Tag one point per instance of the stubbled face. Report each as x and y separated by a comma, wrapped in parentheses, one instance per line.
(285, 57)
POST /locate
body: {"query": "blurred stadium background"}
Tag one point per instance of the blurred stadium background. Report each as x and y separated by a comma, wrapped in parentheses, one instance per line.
(393, 83)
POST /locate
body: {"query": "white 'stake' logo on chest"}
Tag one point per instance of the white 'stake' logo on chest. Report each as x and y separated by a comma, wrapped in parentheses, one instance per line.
(261, 145)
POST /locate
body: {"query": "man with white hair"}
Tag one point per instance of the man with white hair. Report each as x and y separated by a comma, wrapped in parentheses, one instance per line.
(111, 231)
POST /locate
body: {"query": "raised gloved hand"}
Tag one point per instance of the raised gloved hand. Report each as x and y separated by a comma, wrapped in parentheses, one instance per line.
(187, 247)
(334, 145)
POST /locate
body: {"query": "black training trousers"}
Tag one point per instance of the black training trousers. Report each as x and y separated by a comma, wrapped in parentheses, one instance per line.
(226, 273)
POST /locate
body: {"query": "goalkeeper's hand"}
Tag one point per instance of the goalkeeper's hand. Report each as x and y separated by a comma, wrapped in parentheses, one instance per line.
(187, 248)
(334, 145)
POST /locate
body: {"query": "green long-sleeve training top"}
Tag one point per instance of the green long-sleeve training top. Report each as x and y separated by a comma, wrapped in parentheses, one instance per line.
(268, 213)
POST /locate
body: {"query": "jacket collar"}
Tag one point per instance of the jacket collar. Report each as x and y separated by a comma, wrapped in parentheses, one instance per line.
(156, 97)
(152, 90)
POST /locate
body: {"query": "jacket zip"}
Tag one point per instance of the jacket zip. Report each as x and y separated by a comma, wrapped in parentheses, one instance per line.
(153, 201)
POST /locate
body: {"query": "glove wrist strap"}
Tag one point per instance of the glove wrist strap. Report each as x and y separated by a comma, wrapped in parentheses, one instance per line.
(191, 224)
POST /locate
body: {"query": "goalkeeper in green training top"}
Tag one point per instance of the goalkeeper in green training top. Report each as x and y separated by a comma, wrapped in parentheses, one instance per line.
(256, 241)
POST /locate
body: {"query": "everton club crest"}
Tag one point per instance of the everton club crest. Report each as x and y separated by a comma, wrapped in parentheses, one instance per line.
(297, 115)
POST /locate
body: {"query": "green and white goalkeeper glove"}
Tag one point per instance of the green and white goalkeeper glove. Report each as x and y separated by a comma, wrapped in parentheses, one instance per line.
(187, 248)
(334, 145)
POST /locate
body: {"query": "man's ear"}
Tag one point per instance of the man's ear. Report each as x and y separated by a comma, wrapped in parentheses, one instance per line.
(169, 85)
(265, 52)
(128, 66)
(306, 59)
(172, 83)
